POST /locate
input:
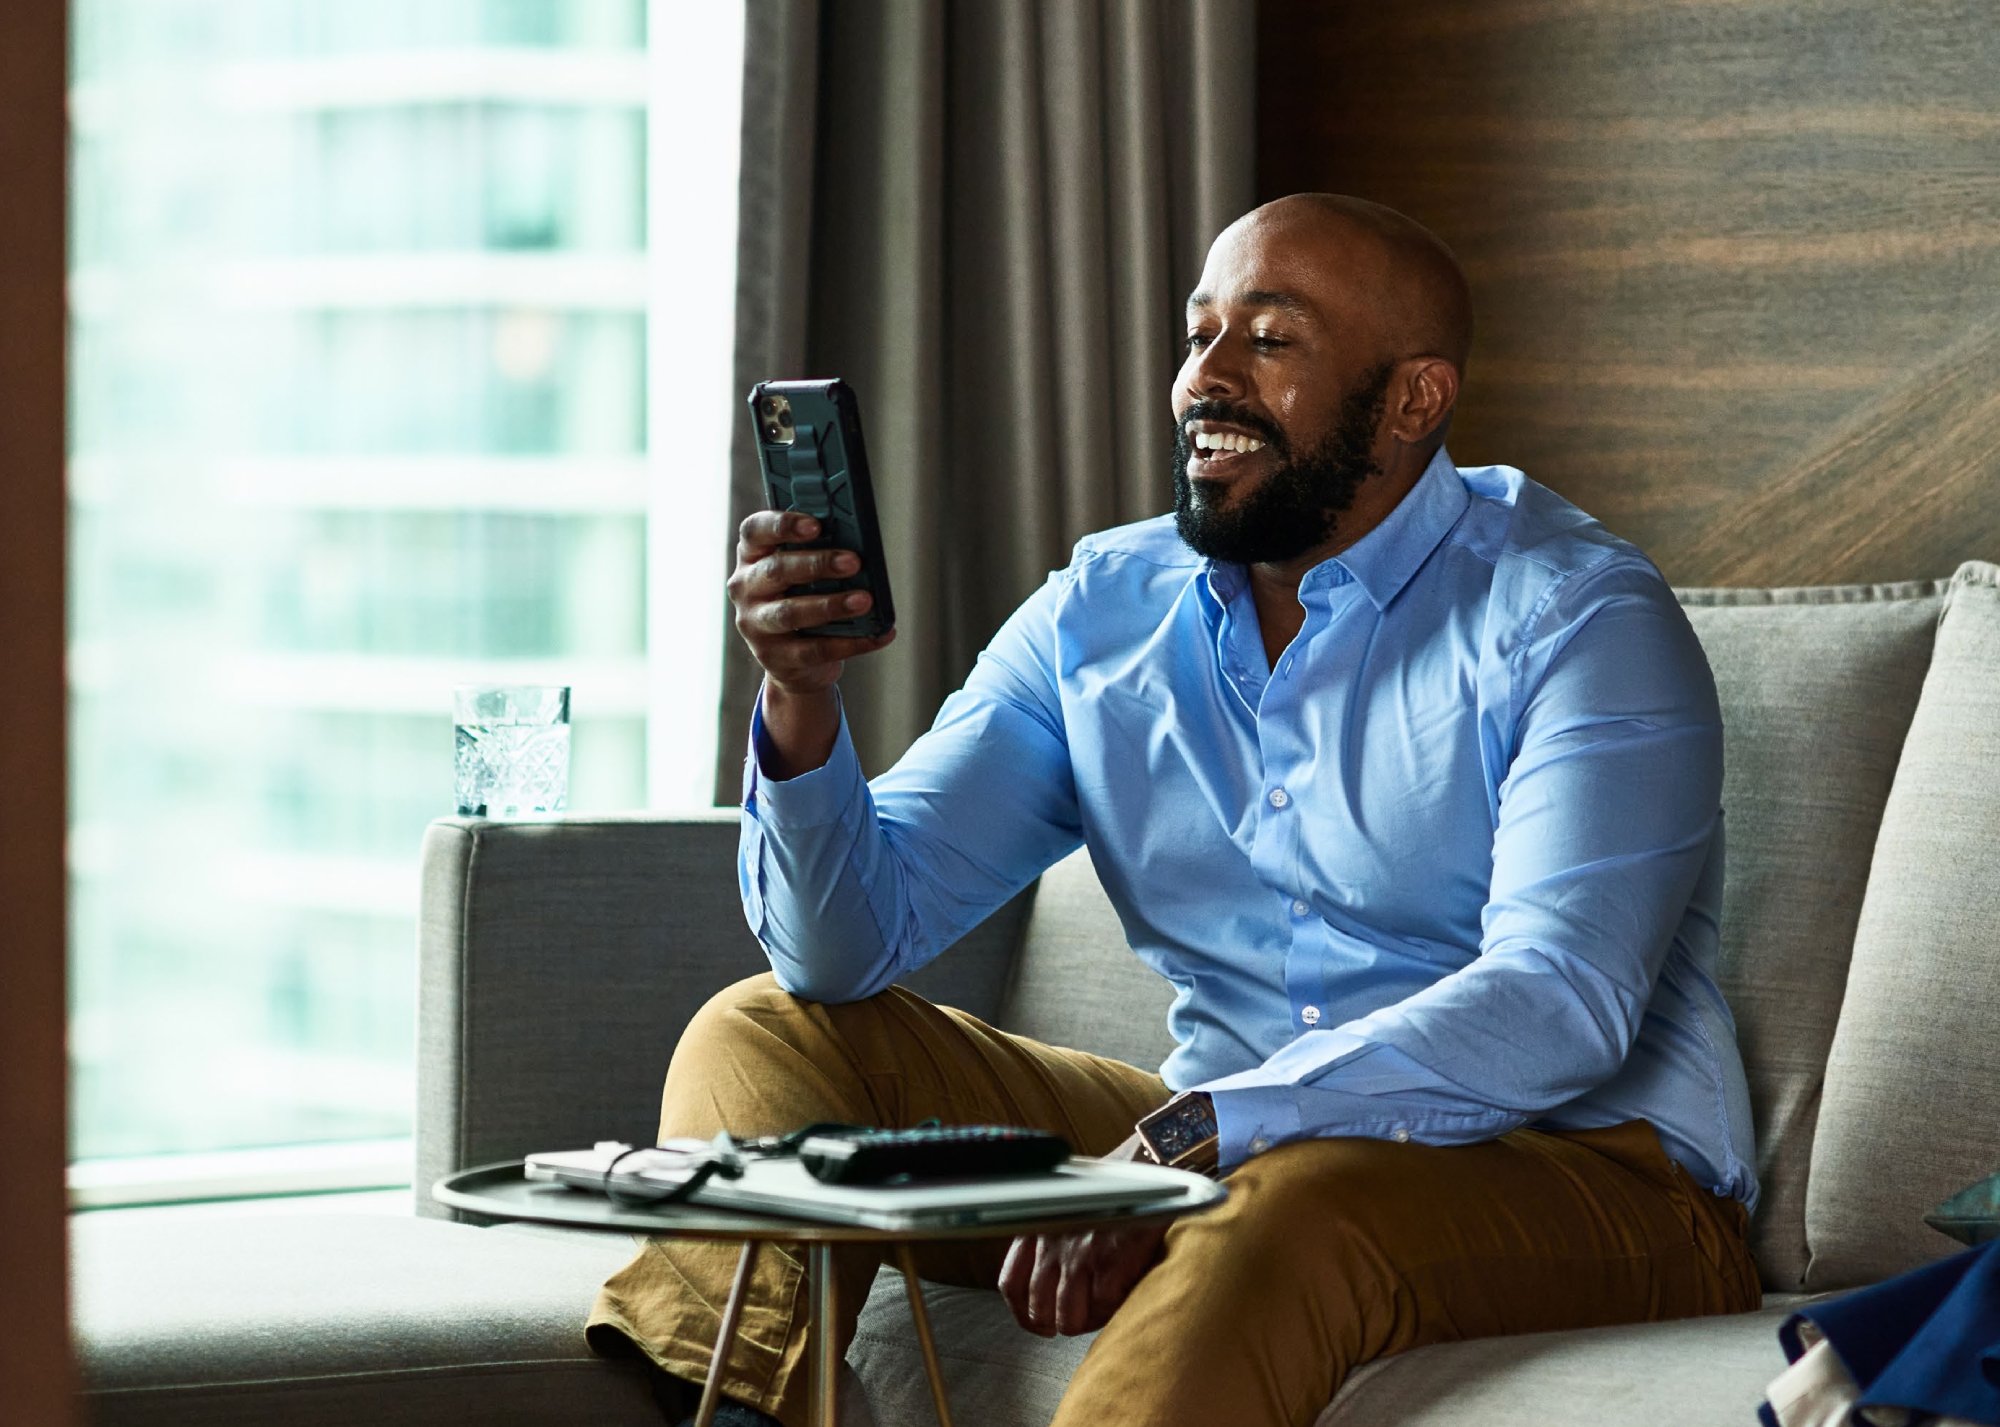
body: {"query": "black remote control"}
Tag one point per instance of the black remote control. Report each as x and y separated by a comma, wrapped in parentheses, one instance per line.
(932, 1152)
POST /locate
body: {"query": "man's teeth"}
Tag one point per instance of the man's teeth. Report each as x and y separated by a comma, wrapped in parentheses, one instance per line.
(1225, 441)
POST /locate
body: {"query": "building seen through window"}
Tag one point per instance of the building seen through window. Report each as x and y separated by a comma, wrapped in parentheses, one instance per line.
(359, 395)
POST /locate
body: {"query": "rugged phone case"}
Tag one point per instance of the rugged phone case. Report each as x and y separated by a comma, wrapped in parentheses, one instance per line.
(809, 444)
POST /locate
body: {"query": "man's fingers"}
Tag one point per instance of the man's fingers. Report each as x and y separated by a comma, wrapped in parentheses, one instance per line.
(1014, 1275)
(1076, 1290)
(1062, 1284)
(763, 531)
(782, 569)
(1042, 1286)
(806, 611)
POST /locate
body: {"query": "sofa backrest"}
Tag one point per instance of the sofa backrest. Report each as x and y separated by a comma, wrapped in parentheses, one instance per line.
(1076, 982)
(1911, 1111)
(1818, 688)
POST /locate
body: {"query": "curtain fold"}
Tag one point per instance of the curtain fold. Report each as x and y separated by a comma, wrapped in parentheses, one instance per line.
(985, 215)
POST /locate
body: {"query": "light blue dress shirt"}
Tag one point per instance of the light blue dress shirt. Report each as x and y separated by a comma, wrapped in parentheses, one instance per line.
(1452, 867)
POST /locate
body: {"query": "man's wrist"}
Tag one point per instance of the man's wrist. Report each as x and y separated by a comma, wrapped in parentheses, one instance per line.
(1183, 1133)
(796, 729)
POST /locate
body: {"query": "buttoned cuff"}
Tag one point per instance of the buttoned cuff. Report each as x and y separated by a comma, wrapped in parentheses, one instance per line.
(1252, 1119)
(814, 799)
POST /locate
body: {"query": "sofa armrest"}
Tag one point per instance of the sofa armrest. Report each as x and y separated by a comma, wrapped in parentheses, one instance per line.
(559, 962)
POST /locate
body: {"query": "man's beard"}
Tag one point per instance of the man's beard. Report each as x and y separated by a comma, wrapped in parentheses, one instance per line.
(1300, 501)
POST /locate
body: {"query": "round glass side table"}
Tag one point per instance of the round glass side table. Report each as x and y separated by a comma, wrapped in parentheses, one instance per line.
(500, 1191)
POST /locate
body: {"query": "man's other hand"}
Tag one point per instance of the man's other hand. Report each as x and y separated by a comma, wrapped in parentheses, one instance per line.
(769, 617)
(1058, 1284)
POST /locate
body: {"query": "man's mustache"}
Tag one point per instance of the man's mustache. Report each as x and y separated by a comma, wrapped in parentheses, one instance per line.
(1230, 415)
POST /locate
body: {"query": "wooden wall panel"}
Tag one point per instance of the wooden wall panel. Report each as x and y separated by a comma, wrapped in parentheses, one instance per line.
(1734, 261)
(34, 1316)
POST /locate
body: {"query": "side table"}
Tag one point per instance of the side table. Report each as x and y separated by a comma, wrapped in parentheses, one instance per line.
(501, 1191)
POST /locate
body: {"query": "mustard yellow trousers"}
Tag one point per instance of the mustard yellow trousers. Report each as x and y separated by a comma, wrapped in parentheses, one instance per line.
(1327, 1254)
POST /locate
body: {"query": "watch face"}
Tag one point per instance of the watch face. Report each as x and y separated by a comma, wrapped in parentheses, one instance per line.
(1179, 1128)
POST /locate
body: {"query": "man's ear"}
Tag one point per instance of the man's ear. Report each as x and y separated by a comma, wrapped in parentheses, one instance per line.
(1429, 391)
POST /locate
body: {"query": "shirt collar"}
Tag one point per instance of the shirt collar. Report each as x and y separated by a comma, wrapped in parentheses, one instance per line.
(1383, 560)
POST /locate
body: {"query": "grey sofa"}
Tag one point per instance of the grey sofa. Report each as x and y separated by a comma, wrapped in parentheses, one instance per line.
(561, 960)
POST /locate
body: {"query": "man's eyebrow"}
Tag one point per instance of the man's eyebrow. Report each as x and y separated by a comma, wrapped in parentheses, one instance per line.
(1289, 303)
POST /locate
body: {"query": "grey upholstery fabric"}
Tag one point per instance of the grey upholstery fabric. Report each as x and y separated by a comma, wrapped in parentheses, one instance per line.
(1703, 1372)
(1700, 1372)
(1077, 983)
(996, 1374)
(1913, 1077)
(1817, 689)
(330, 1320)
(560, 962)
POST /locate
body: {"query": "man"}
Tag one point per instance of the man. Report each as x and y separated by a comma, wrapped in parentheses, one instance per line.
(1408, 777)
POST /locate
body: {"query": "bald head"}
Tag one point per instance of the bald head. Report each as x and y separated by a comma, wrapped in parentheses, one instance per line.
(1401, 269)
(1325, 346)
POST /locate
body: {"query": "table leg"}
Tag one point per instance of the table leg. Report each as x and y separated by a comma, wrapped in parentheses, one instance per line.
(732, 1315)
(825, 1328)
(907, 1262)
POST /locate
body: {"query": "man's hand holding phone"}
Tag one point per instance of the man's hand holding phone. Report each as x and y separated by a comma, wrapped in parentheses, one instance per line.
(801, 711)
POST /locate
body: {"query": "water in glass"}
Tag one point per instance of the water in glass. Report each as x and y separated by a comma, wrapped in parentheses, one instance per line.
(511, 755)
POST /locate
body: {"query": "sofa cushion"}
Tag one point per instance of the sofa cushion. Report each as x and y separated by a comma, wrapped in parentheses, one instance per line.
(1699, 1372)
(1817, 688)
(1913, 1077)
(337, 1319)
(1703, 1371)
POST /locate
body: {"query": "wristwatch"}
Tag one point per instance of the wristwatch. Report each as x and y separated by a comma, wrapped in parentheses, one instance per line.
(1182, 1133)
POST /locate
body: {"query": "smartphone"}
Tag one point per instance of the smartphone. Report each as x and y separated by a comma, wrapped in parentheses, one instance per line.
(809, 445)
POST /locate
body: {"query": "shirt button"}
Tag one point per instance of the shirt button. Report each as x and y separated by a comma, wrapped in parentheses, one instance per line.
(1401, 1137)
(1310, 1015)
(1259, 1145)
(1279, 797)
(1300, 907)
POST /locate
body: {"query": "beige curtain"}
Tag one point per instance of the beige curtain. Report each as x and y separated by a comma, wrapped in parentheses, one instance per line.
(985, 215)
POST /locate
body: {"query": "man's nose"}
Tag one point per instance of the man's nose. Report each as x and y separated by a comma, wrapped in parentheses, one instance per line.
(1215, 370)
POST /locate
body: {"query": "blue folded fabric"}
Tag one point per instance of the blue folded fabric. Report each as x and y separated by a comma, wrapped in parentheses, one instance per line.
(1926, 1341)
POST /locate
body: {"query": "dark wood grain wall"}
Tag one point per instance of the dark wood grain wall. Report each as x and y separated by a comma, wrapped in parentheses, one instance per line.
(1736, 262)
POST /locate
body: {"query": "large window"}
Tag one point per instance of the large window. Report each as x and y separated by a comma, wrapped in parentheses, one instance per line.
(360, 394)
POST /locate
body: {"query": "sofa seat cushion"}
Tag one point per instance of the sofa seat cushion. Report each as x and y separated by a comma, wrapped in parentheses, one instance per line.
(325, 1319)
(1698, 1372)
(1693, 1373)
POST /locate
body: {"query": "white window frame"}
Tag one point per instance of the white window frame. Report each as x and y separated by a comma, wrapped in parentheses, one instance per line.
(241, 1174)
